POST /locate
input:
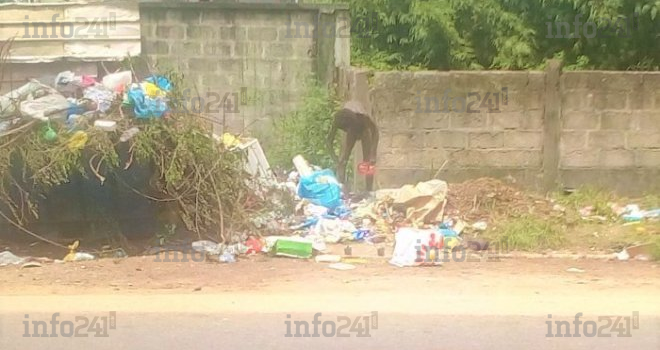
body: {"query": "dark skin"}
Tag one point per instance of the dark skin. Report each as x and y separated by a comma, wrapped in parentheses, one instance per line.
(357, 126)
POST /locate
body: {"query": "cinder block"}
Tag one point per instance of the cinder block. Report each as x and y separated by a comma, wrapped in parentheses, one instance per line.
(523, 139)
(186, 48)
(156, 47)
(469, 121)
(648, 121)
(652, 81)
(647, 158)
(407, 140)
(203, 64)
(610, 100)
(573, 141)
(445, 139)
(612, 81)
(506, 121)
(416, 158)
(643, 139)
(606, 140)
(577, 100)
(170, 32)
(279, 50)
(218, 17)
(580, 159)
(617, 158)
(532, 120)
(580, 120)
(616, 120)
(262, 34)
(194, 32)
(437, 121)
(218, 49)
(523, 159)
(485, 140)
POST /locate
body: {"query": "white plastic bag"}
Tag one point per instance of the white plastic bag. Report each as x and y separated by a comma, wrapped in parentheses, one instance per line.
(411, 246)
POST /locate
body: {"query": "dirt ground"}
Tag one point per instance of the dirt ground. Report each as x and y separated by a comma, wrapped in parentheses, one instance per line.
(266, 274)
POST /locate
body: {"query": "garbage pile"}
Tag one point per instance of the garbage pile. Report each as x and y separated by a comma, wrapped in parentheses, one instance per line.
(414, 217)
(73, 99)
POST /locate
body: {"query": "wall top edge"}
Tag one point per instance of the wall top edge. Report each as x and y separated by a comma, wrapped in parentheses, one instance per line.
(241, 6)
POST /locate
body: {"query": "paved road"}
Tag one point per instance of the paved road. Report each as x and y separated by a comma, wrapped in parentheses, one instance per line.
(234, 329)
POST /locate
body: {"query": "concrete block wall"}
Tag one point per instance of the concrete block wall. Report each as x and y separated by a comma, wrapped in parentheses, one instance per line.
(251, 50)
(610, 129)
(556, 129)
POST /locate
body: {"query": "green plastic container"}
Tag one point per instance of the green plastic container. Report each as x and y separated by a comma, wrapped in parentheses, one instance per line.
(293, 248)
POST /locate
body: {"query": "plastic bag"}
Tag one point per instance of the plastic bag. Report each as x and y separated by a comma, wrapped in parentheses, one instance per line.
(321, 188)
(144, 106)
(101, 95)
(161, 82)
(416, 247)
(117, 81)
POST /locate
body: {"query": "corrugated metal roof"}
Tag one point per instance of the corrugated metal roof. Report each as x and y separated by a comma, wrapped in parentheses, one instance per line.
(72, 31)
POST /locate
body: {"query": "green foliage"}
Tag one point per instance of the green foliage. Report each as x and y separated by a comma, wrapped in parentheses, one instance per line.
(505, 34)
(305, 130)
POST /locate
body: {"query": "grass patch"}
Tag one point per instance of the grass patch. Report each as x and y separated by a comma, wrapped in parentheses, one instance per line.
(588, 196)
(529, 233)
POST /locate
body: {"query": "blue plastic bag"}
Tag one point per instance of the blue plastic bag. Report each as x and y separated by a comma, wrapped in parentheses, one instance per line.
(161, 82)
(145, 106)
(321, 188)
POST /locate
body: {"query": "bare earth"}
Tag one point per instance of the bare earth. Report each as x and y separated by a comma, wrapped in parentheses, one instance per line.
(509, 298)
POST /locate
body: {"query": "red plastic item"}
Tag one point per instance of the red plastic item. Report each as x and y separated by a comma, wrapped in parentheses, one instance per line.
(366, 168)
(254, 245)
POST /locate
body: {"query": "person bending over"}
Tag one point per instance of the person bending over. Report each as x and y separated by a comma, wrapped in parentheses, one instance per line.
(357, 124)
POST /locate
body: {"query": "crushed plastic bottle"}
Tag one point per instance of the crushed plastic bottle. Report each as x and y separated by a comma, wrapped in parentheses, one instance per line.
(227, 258)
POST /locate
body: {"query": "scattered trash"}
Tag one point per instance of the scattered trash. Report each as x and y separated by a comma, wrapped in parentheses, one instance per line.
(342, 266)
(573, 269)
(632, 213)
(321, 188)
(381, 251)
(254, 245)
(293, 247)
(333, 230)
(227, 257)
(424, 202)
(78, 141)
(7, 258)
(30, 264)
(415, 247)
(83, 257)
(480, 226)
(623, 255)
(102, 96)
(327, 258)
(117, 81)
(106, 125)
(348, 251)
